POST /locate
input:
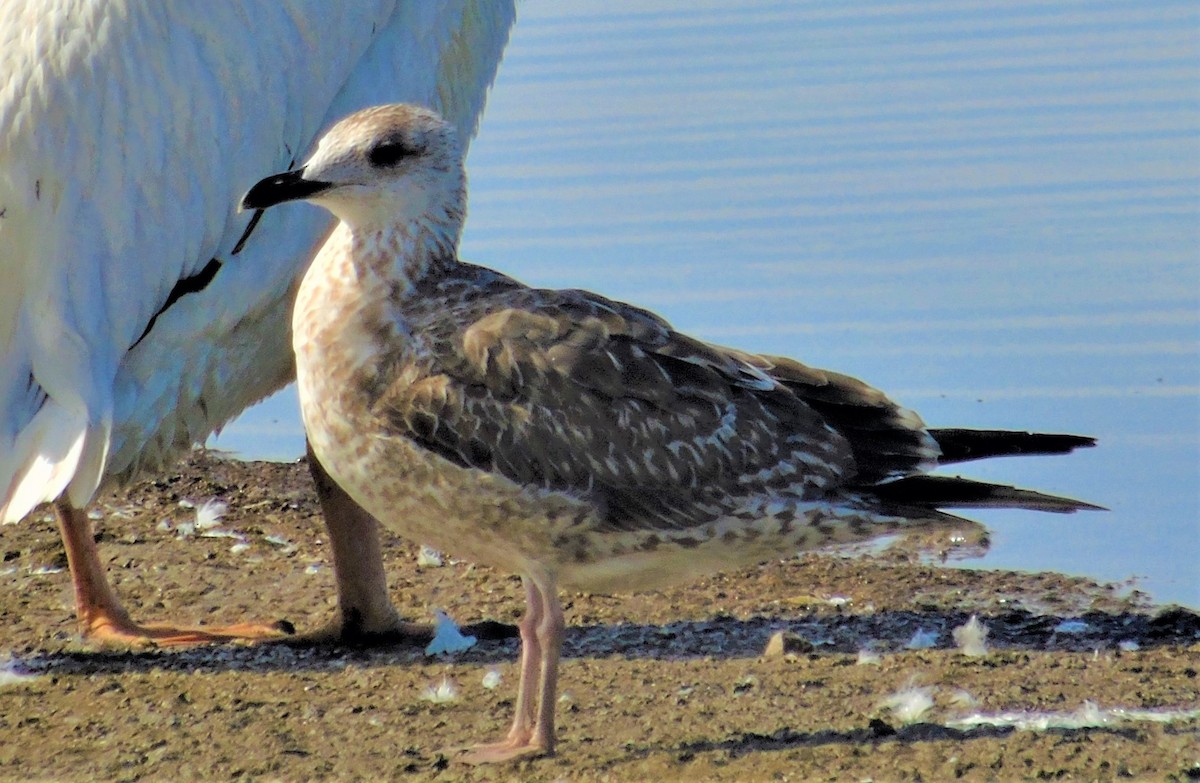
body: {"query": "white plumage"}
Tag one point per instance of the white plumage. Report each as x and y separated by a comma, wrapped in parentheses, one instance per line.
(127, 132)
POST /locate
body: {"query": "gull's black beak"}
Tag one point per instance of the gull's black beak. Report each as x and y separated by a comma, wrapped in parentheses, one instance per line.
(289, 186)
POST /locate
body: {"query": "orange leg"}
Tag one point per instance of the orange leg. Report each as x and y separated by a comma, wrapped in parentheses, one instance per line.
(532, 731)
(366, 615)
(102, 618)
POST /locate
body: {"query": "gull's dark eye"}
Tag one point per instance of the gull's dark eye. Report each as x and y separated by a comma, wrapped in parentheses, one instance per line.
(388, 153)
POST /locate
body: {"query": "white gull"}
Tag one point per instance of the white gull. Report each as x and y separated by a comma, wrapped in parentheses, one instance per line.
(139, 311)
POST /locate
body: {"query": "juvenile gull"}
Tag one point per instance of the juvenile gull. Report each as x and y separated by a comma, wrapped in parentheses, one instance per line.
(577, 441)
(138, 311)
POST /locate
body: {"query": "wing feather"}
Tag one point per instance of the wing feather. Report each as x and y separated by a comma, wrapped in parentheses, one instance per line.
(887, 440)
(573, 392)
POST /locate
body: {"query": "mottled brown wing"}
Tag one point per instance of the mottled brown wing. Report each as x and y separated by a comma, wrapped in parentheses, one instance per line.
(573, 392)
(887, 440)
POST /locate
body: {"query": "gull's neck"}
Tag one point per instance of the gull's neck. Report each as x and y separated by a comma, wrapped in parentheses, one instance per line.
(401, 250)
(404, 256)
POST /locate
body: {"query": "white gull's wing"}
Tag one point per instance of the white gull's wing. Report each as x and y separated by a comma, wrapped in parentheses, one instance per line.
(127, 133)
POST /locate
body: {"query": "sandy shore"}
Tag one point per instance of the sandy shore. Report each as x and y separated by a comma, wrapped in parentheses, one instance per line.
(1081, 681)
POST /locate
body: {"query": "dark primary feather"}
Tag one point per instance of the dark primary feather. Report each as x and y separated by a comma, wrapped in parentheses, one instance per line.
(959, 445)
(935, 492)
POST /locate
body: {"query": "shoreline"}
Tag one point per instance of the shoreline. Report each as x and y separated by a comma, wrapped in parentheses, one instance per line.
(667, 685)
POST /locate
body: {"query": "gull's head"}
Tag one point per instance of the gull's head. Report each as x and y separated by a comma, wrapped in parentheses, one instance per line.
(379, 168)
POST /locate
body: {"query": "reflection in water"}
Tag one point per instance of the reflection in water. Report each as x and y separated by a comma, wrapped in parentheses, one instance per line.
(991, 213)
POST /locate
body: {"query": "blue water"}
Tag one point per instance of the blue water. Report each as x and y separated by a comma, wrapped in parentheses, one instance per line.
(993, 213)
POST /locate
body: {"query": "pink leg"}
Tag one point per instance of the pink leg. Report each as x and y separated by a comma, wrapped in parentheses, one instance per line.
(532, 732)
(101, 616)
(531, 666)
(550, 635)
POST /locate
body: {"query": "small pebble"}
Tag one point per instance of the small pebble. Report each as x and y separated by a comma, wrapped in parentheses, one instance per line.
(784, 643)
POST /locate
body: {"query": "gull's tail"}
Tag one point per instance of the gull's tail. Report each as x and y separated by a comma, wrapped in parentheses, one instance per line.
(960, 445)
(934, 493)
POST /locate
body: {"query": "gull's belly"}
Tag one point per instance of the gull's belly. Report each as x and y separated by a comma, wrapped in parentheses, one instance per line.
(425, 498)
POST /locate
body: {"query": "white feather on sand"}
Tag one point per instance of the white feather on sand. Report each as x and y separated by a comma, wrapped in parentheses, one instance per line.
(447, 639)
(441, 693)
(911, 703)
(971, 638)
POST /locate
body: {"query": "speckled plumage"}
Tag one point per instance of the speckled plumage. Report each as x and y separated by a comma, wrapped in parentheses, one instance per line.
(559, 434)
